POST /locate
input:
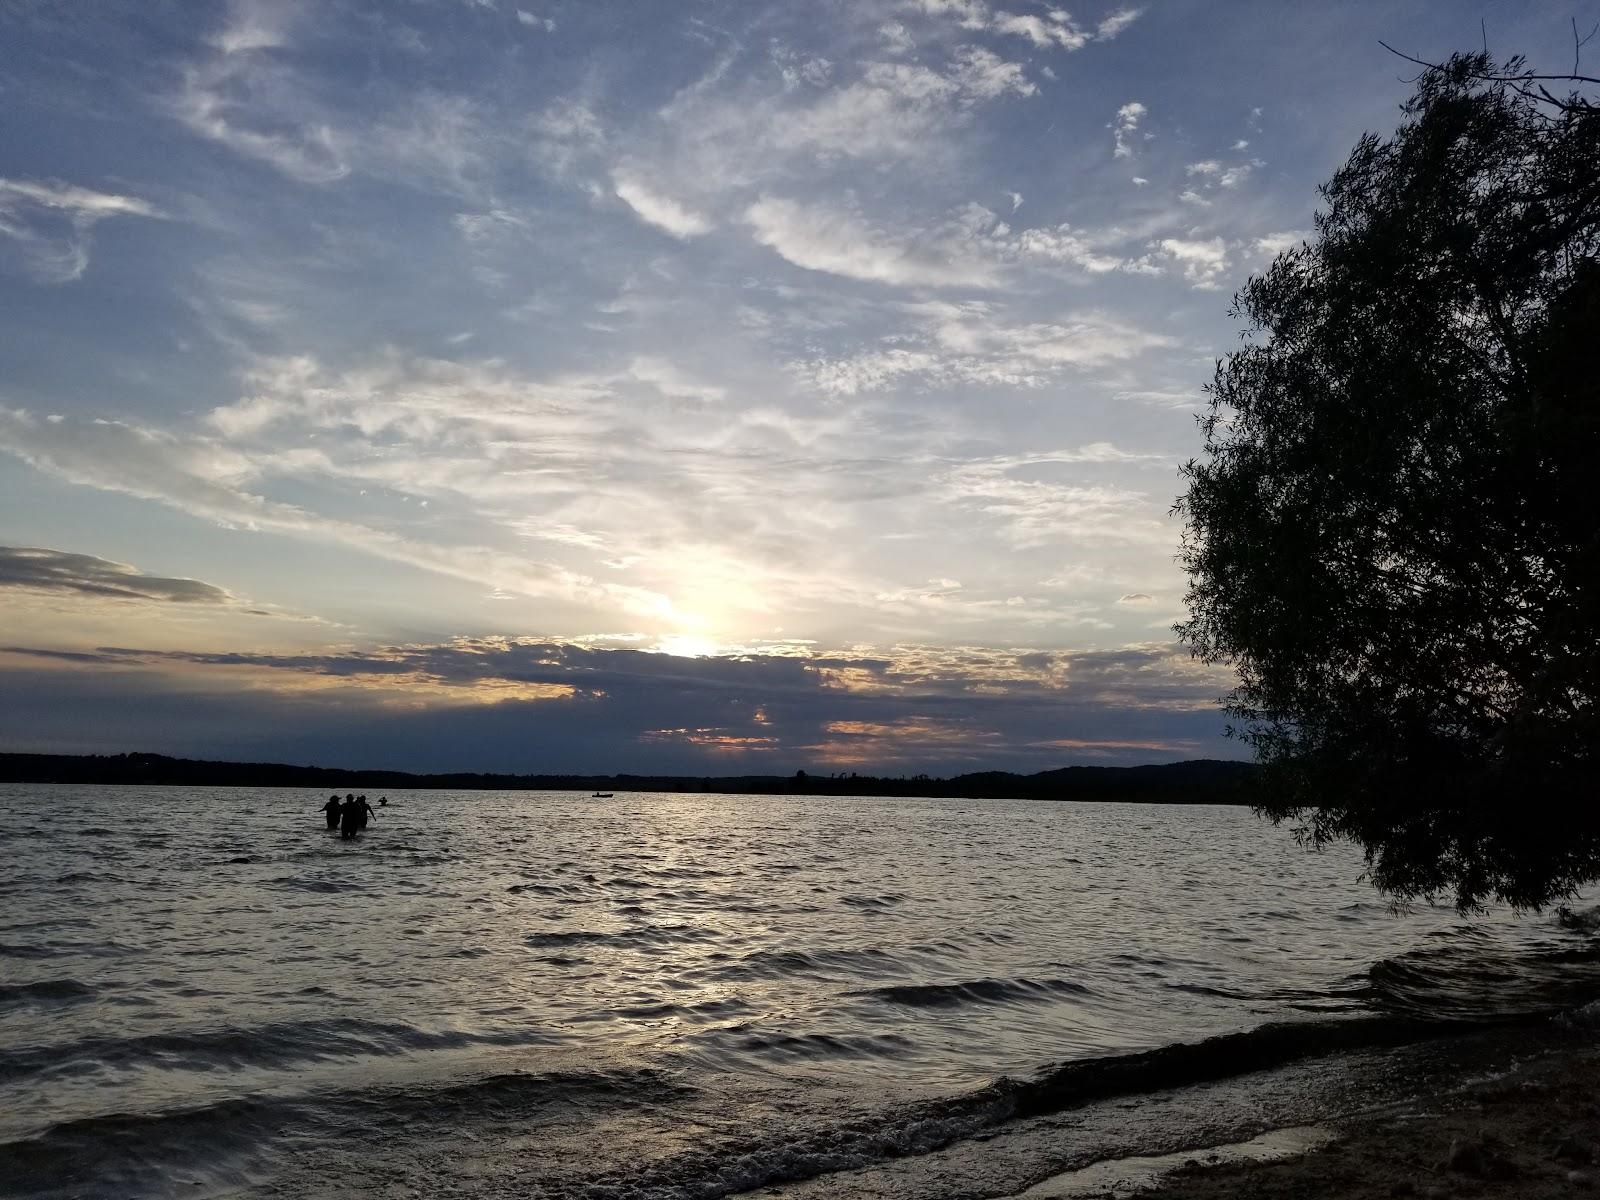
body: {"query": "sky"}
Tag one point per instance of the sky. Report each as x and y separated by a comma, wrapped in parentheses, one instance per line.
(697, 387)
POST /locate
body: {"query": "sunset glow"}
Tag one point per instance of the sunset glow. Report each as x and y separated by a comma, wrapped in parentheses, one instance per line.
(837, 369)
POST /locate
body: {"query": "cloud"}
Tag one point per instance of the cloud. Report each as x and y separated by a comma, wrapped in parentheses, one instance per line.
(894, 109)
(1202, 260)
(983, 75)
(798, 69)
(970, 344)
(1063, 244)
(254, 27)
(1053, 30)
(530, 703)
(1115, 22)
(1212, 175)
(533, 21)
(49, 223)
(819, 238)
(968, 249)
(1034, 511)
(661, 211)
(246, 97)
(207, 479)
(896, 39)
(1124, 126)
(644, 481)
(41, 570)
(1274, 244)
(256, 95)
(1136, 598)
(1176, 397)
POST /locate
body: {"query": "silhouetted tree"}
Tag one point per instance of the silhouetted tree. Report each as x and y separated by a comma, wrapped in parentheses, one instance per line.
(1393, 529)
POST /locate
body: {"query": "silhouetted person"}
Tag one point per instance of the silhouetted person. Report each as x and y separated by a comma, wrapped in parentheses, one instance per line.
(332, 808)
(363, 811)
(349, 818)
(383, 802)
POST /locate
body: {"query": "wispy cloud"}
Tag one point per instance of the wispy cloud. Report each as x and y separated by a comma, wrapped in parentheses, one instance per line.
(972, 343)
(245, 80)
(208, 479)
(818, 238)
(1053, 29)
(653, 208)
(33, 568)
(49, 223)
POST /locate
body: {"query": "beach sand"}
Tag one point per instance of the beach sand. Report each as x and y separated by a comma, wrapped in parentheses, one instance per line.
(1531, 1134)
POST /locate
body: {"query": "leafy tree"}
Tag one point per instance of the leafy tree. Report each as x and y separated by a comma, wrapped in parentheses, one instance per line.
(1394, 529)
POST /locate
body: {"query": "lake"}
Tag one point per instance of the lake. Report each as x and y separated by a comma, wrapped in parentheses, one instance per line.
(203, 992)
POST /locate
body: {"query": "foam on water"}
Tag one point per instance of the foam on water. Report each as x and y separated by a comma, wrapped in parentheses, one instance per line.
(668, 996)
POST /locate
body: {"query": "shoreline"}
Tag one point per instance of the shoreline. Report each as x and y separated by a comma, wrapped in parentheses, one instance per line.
(1528, 1134)
(1190, 781)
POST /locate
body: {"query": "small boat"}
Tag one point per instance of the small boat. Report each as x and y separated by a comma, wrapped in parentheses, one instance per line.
(601, 796)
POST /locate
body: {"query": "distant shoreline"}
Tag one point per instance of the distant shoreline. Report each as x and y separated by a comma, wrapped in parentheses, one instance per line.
(1196, 781)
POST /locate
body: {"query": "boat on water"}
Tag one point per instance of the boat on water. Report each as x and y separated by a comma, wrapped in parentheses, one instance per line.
(601, 796)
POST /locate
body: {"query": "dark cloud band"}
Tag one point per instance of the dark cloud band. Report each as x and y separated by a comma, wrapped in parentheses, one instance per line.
(35, 569)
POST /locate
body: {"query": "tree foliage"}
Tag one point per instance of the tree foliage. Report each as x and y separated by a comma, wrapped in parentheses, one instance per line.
(1394, 528)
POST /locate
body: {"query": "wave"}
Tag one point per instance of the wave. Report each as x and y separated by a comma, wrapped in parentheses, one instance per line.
(1223, 1057)
(13, 950)
(1350, 998)
(132, 1155)
(44, 991)
(704, 1011)
(272, 1046)
(138, 1153)
(106, 1154)
(298, 883)
(1462, 982)
(643, 935)
(823, 1046)
(776, 964)
(65, 949)
(545, 889)
(973, 992)
(749, 1164)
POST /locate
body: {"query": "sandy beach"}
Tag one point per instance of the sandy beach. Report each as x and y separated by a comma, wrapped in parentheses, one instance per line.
(1531, 1134)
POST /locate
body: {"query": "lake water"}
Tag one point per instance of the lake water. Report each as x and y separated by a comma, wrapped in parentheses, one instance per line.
(203, 993)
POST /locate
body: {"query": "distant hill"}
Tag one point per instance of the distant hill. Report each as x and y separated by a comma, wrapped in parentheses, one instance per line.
(1198, 781)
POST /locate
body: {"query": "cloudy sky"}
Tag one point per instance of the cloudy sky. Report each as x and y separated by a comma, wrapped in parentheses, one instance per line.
(585, 385)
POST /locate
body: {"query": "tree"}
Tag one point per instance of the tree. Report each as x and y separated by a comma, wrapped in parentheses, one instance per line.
(1393, 531)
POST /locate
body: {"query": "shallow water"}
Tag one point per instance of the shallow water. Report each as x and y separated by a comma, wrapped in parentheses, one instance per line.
(657, 995)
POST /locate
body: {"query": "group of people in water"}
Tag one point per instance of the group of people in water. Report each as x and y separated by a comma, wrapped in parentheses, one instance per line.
(349, 816)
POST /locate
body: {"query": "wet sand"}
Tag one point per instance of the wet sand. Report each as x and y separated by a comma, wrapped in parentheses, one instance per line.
(1531, 1134)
